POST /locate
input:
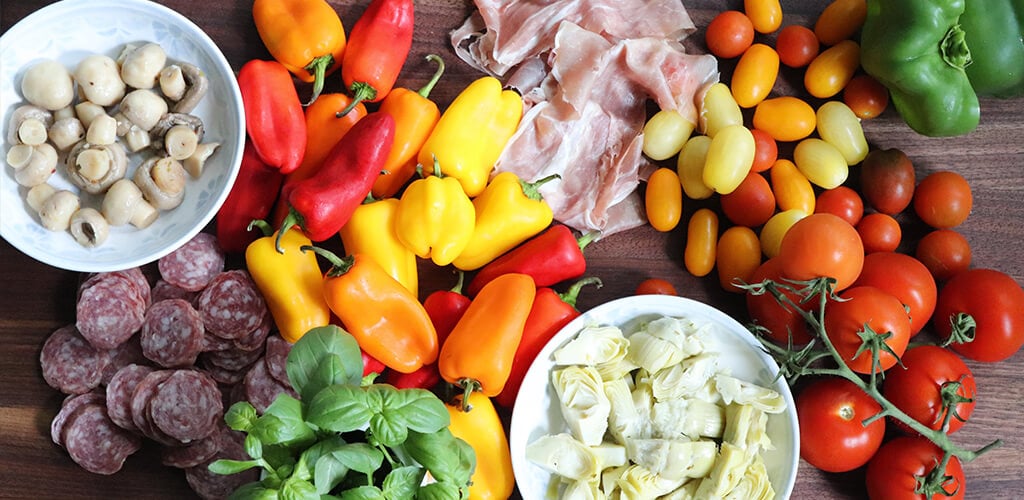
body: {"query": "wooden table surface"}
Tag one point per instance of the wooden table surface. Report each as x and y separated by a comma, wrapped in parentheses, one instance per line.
(38, 299)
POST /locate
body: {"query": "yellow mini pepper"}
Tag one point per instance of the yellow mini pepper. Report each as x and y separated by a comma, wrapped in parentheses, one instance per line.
(478, 424)
(435, 218)
(472, 132)
(291, 282)
(371, 231)
(508, 212)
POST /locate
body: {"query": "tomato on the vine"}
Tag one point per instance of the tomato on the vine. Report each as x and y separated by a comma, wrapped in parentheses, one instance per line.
(729, 34)
(833, 436)
(907, 279)
(944, 252)
(893, 473)
(995, 301)
(779, 322)
(916, 387)
(819, 245)
(656, 286)
(877, 309)
(943, 199)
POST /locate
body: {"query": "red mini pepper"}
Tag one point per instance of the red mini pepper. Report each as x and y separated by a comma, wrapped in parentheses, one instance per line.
(377, 49)
(550, 312)
(323, 203)
(550, 257)
(251, 198)
(273, 114)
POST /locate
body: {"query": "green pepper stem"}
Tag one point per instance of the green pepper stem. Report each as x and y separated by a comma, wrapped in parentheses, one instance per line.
(458, 284)
(532, 189)
(339, 265)
(467, 385)
(953, 48)
(361, 91)
(572, 294)
(318, 68)
(425, 91)
(263, 226)
(586, 239)
(293, 218)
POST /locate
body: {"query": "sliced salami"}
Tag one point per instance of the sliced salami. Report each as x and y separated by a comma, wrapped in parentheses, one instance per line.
(233, 359)
(187, 406)
(163, 290)
(119, 394)
(68, 409)
(109, 311)
(261, 389)
(137, 279)
(128, 353)
(70, 363)
(141, 397)
(256, 339)
(172, 333)
(231, 306)
(193, 265)
(276, 358)
(212, 486)
(221, 375)
(194, 453)
(213, 343)
(96, 443)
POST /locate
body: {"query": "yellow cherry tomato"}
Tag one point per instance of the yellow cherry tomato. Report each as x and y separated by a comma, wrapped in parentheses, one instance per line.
(785, 118)
(832, 69)
(840, 20)
(765, 15)
(791, 188)
(665, 133)
(690, 167)
(755, 75)
(839, 126)
(701, 242)
(738, 256)
(718, 109)
(729, 158)
(776, 227)
(821, 162)
(663, 199)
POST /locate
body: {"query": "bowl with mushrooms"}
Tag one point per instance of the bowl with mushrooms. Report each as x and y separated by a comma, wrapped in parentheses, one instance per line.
(122, 128)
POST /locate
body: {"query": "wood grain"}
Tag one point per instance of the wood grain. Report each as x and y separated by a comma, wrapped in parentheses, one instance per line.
(38, 299)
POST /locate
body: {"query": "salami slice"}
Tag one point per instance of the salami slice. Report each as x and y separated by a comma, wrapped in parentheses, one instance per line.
(193, 265)
(276, 358)
(172, 333)
(194, 453)
(109, 311)
(128, 353)
(223, 376)
(68, 409)
(163, 290)
(257, 338)
(141, 397)
(187, 406)
(119, 394)
(96, 443)
(71, 364)
(135, 277)
(233, 359)
(212, 486)
(231, 306)
(261, 389)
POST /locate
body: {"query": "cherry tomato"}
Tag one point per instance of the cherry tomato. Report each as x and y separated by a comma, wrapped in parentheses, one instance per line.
(879, 310)
(792, 189)
(785, 118)
(915, 387)
(821, 162)
(841, 201)
(766, 150)
(840, 20)
(738, 256)
(906, 278)
(887, 180)
(822, 245)
(944, 252)
(943, 199)
(755, 75)
(797, 46)
(729, 34)
(701, 242)
(779, 322)
(656, 286)
(729, 158)
(663, 199)
(833, 436)
(832, 69)
(995, 301)
(866, 96)
(892, 474)
(776, 228)
(765, 15)
(751, 204)
(879, 232)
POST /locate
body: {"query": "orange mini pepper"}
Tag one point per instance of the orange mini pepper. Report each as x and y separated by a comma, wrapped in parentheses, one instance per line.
(387, 320)
(306, 36)
(371, 231)
(476, 421)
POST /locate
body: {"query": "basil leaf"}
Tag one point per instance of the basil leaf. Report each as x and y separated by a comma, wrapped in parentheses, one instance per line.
(280, 458)
(363, 493)
(419, 409)
(388, 431)
(307, 353)
(253, 446)
(253, 491)
(402, 482)
(441, 490)
(328, 471)
(283, 423)
(445, 456)
(339, 408)
(298, 489)
(241, 416)
(359, 457)
(321, 448)
(227, 467)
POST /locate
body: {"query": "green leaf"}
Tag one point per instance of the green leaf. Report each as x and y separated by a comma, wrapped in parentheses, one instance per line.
(445, 456)
(253, 446)
(402, 482)
(360, 457)
(318, 343)
(339, 408)
(279, 457)
(328, 471)
(298, 489)
(253, 491)
(321, 448)
(420, 409)
(363, 493)
(241, 416)
(227, 467)
(388, 431)
(441, 490)
(283, 423)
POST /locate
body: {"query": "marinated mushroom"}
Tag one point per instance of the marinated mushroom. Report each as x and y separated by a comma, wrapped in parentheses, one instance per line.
(136, 139)
(141, 64)
(56, 210)
(172, 82)
(28, 125)
(48, 84)
(38, 194)
(33, 165)
(178, 134)
(88, 111)
(89, 228)
(162, 182)
(196, 85)
(143, 107)
(102, 131)
(124, 204)
(99, 80)
(195, 164)
(95, 167)
(66, 132)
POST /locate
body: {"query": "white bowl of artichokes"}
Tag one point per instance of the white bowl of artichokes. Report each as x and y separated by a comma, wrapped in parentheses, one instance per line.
(654, 396)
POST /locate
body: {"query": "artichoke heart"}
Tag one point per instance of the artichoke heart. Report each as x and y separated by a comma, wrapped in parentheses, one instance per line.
(584, 405)
(595, 345)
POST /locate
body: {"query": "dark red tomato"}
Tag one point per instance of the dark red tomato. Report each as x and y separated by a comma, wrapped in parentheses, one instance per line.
(879, 310)
(887, 180)
(766, 150)
(779, 321)
(865, 96)
(907, 279)
(729, 34)
(944, 252)
(879, 232)
(943, 199)
(916, 387)
(797, 46)
(995, 301)
(893, 472)
(655, 286)
(751, 204)
(841, 201)
(833, 436)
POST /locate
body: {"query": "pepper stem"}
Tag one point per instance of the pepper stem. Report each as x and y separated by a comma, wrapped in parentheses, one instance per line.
(361, 91)
(572, 294)
(468, 385)
(953, 48)
(263, 226)
(458, 284)
(339, 265)
(318, 68)
(586, 239)
(293, 218)
(532, 189)
(425, 91)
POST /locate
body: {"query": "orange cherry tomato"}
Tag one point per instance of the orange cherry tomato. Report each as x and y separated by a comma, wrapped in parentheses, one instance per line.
(879, 232)
(781, 324)
(737, 256)
(944, 252)
(943, 199)
(797, 46)
(785, 118)
(832, 69)
(656, 286)
(663, 199)
(729, 34)
(765, 15)
(791, 187)
(766, 150)
(755, 75)
(840, 20)
(751, 204)
(842, 201)
(822, 245)
(866, 96)
(701, 242)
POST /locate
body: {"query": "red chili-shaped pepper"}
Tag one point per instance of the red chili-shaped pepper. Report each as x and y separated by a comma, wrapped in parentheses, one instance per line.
(323, 203)
(273, 114)
(551, 257)
(550, 312)
(377, 49)
(251, 198)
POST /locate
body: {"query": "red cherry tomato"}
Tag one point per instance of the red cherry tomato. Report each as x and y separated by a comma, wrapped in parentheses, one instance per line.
(822, 245)
(906, 278)
(751, 204)
(877, 309)
(879, 232)
(892, 474)
(944, 252)
(655, 286)
(729, 34)
(766, 150)
(797, 46)
(833, 436)
(841, 201)
(995, 301)
(865, 96)
(943, 199)
(915, 387)
(779, 322)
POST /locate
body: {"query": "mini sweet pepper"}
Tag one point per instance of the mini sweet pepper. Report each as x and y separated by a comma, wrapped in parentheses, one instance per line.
(435, 218)
(371, 231)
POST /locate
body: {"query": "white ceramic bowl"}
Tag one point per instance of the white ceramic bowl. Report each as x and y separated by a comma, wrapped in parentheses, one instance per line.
(70, 30)
(536, 411)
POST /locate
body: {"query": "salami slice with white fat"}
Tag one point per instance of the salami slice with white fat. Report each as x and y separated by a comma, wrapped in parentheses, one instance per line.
(141, 397)
(119, 394)
(70, 363)
(261, 389)
(172, 333)
(135, 276)
(68, 409)
(276, 358)
(187, 406)
(163, 290)
(231, 306)
(96, 443)
(212, 486)
(109, 310)
(196, 452)
(193, 265)
(256, 339)
(128, 353)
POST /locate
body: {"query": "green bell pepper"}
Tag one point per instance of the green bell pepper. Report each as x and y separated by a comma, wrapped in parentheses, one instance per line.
(994, 36)
(917, 49)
